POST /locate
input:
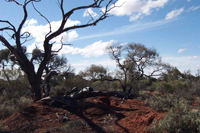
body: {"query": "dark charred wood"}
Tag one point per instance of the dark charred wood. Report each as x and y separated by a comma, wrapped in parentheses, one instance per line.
(68, 101)
(71, 101)
(119, 94)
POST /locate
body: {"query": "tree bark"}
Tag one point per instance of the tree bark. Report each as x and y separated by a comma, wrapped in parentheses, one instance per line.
(119, 94)
(37, 91)
(70, 101)
(36, 87)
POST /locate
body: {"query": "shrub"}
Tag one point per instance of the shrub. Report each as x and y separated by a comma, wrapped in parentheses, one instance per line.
(161, 103)
(182, 89)
(151, 88)
(178, 120)
(58, 90)
(164, 87)
(23, 103)
(155, 102)
(6, 110)
(98, 85)
(142, 85)
(8, 107)
(105, 85)
(71, 126)
(196, 88)
(143, 95)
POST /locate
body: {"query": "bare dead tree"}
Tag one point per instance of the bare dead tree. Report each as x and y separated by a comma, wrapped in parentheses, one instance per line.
(20, 38)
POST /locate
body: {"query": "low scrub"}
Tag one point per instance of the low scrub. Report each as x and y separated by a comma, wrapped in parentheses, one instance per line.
(160, 103)
(8, 107)
(71, 126)
(178, 120)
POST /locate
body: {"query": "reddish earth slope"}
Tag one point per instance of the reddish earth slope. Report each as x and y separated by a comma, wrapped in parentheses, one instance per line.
(98, 114)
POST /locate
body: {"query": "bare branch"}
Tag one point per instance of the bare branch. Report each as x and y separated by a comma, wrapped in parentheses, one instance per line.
(62, 44)
(6, 43)
(60, 4)
(15, 2)
(92, 19)
(6, 28)
(5, 21)
(25, 36)
(45, 19)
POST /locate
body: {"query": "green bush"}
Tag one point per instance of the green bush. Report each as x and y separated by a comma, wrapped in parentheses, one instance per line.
(59, 90)
(196, 88)
(8, 107)
(105, 85)
(23, 103)
(178, 120)
(182, 89)
(161, 102)
(143, 95)
(155, 102)
(164, 87)
(152, 87)
(6, 110)
(142, 85)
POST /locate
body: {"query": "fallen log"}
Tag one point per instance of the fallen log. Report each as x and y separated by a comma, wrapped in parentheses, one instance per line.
(71, 100)
(68, 101)
(119, 94)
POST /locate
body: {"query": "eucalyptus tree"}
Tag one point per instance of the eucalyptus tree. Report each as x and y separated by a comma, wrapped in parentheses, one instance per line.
(135, 61)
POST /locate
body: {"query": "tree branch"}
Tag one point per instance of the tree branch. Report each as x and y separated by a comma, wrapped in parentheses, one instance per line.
(5, 21)
(44, 18)
(6, 43)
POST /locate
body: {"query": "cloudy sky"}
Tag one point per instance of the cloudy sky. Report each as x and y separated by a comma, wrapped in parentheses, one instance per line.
(170, 26)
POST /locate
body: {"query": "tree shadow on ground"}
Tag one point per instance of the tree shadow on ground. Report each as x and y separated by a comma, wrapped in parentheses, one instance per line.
(101, 110)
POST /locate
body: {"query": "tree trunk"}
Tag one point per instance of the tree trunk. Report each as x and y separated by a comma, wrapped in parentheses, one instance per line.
(37, 91)
(36, 87)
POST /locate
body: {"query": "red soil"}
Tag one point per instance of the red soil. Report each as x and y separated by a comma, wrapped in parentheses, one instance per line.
(99, 114)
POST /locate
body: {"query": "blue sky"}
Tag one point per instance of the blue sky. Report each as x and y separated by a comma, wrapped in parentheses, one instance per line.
(170, 26)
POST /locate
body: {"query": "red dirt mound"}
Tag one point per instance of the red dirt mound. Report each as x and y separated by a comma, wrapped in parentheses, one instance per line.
(99, 114)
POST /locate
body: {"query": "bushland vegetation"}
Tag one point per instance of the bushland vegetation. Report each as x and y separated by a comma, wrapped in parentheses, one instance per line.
(172, 92)
(27, 78)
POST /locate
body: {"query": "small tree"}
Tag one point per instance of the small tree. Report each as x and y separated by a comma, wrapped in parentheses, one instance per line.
(94, 72)
(55, 63)
(20, 38)
(133, 61)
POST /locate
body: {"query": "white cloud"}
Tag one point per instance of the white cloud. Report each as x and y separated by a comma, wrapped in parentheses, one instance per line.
(195, 57)
(94, 50)
(183, 63)
(128, 29)
(84, 63)
(30, 22)
(181, 50)
(89, 12)
(39, 31)
(173, 14)
(193, 8)
(136, 9)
